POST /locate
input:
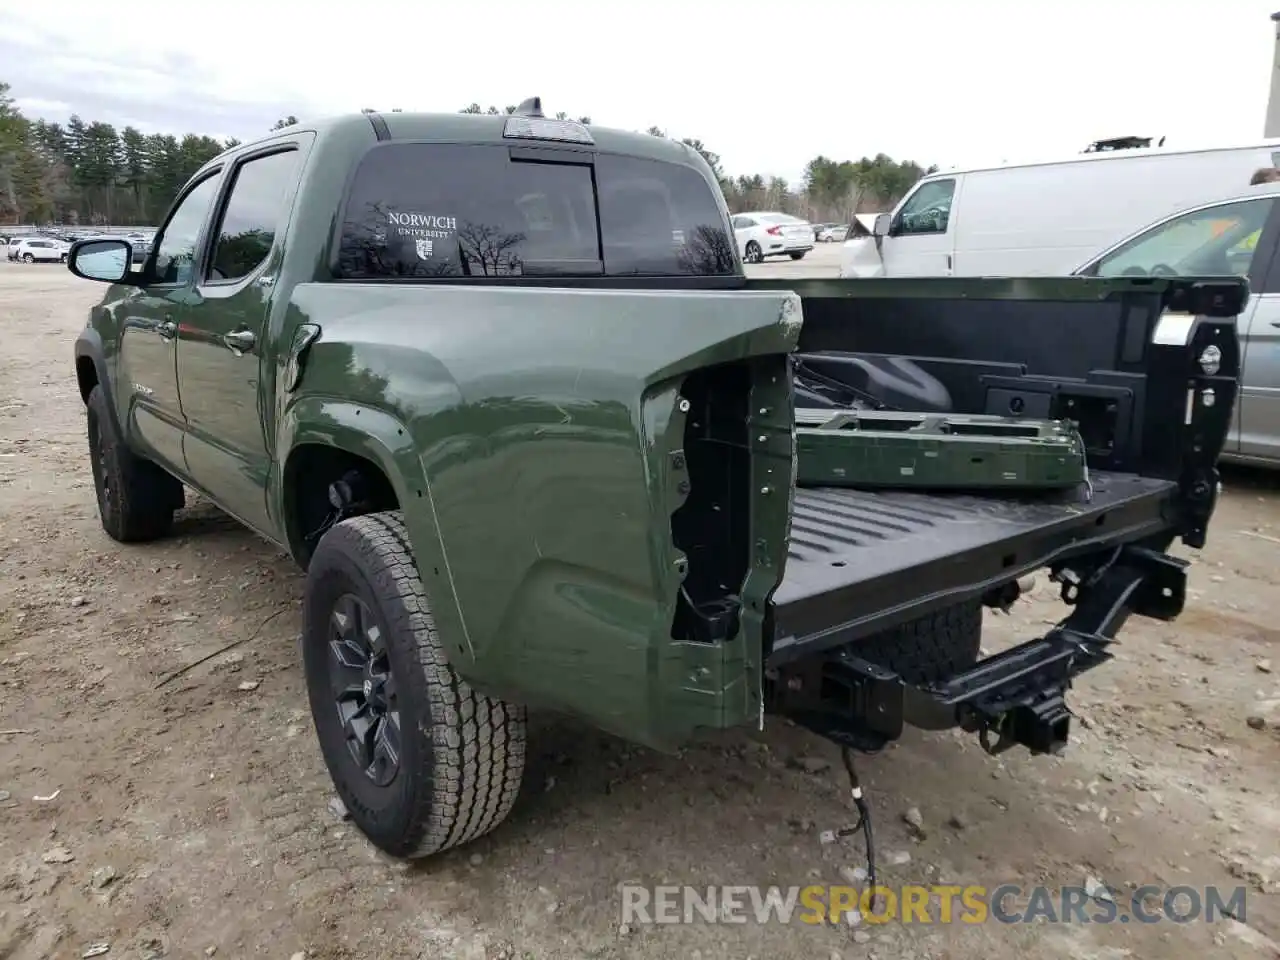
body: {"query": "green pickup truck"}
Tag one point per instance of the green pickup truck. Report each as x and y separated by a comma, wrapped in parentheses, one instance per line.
(500, 385)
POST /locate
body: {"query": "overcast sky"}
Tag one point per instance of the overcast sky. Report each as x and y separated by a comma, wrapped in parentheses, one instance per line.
(765, 85)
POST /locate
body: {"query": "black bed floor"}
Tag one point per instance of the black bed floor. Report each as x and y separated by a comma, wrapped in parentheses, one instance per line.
(857, 556)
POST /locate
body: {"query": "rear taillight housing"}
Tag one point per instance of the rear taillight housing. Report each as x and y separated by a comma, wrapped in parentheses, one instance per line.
(774, 231)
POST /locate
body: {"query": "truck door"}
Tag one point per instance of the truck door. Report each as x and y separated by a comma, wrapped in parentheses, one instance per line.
(223, 363)
(147, 391)
(921, 239)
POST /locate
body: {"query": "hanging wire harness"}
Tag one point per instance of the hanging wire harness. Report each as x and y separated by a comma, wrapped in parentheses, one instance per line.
(862, 825)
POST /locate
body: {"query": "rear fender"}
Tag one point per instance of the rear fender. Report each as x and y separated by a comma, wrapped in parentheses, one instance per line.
(381, 438)
(555, 483)
(538, 441)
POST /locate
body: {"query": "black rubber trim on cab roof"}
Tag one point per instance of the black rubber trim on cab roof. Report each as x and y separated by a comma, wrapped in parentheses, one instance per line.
(379, 125)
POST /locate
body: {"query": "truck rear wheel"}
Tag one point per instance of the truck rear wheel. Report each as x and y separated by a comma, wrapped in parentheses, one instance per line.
(933, 648)
(421, 760)
(136, 498)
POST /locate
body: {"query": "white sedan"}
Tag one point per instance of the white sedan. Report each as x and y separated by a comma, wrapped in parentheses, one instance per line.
(761, 235)
(44, 249)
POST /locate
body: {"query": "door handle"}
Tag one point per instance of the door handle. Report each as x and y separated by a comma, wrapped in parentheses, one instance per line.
(167, 329)
(1275, 323)
(240, 341)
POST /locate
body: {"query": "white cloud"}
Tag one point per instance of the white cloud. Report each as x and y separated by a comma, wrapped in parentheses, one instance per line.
(35, 107)
(765, 84)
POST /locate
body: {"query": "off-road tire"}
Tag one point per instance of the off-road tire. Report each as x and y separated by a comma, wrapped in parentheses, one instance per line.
(136, 498)
(933, 648)
(461, 753)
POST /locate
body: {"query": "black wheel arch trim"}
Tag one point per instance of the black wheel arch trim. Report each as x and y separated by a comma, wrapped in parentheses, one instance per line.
(89, 345)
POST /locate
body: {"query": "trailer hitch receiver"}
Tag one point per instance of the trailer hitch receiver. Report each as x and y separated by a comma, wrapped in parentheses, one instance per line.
(1042, 728)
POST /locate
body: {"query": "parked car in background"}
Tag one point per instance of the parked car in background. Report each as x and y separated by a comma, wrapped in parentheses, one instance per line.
(769, 234)
(833, 233)
(1235, 237)
(141, 244)
(12, 244)
(1044, 219)
(141, 247)
(40, 249)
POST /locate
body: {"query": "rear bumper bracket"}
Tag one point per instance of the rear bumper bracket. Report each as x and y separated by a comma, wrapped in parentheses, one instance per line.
(1017, 696)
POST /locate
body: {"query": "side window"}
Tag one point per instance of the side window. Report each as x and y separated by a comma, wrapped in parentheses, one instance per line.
(1217, 241)
(928, 210)
(176, 246)
(249, 221)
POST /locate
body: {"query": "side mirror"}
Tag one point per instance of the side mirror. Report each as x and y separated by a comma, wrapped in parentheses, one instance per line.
(881, 228)
(104, 260)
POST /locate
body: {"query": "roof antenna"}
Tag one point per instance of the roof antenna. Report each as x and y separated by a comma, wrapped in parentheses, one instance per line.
(530, 108)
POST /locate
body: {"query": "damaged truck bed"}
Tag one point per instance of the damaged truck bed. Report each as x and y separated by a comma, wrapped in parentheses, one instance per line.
(870, 571)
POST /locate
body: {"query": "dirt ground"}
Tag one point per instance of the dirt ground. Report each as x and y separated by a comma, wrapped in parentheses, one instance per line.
(192, 819)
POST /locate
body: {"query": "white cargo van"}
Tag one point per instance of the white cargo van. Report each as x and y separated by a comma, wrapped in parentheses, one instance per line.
(1044, 219)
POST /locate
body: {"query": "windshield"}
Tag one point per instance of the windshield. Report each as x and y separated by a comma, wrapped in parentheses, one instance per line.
(424, 210)
(1216, 241)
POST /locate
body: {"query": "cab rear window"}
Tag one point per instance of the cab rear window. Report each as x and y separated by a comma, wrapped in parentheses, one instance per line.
(422, 211)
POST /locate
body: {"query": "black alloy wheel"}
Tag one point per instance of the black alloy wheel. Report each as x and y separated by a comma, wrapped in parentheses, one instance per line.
(364, 689)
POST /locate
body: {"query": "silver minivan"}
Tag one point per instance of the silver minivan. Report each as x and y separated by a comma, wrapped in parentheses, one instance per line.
(1236, 237)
